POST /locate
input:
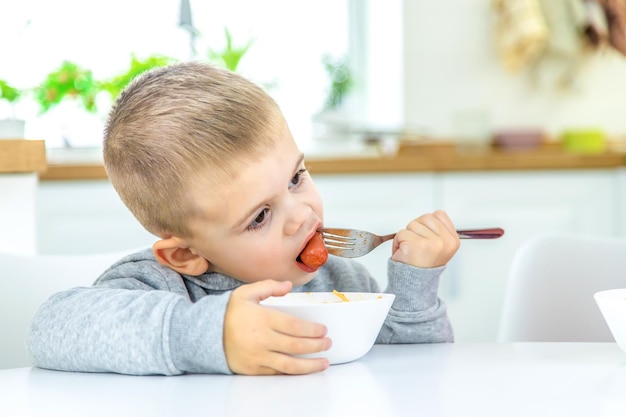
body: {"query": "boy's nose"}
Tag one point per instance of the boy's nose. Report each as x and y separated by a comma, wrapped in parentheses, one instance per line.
(298, 216)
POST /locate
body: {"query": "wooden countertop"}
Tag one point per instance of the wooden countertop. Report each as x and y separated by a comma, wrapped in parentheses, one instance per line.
(21, 156)
(410, 159)
(492, 160)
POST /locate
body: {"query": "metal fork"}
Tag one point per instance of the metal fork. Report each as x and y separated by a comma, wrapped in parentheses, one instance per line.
(352, 243)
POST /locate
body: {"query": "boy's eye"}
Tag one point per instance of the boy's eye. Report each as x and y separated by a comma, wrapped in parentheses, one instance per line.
(258, 220)
(295, 180)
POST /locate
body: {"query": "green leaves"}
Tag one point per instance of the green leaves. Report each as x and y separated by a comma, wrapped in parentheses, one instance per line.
(341, 80)
(8, 92)
(71, 81)
(68, 80)
(230, 56)
(115, 85)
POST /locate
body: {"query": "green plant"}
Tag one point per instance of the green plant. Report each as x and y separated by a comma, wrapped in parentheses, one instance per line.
(341, 80)
(8, 92)
(116, 84)
(231, 55)
(68, 81)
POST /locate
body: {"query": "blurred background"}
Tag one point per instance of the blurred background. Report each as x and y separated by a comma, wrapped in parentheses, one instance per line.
(534, 87)
(281, 44)
(430, 68)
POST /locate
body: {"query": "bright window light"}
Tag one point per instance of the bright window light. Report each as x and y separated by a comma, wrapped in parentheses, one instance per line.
(289, 40)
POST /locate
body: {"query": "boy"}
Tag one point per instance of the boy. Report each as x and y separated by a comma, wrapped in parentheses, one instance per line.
(205, 161)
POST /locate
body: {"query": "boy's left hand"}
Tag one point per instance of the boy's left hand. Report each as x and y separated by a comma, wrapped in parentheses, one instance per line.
(263, 341)
(428, 241)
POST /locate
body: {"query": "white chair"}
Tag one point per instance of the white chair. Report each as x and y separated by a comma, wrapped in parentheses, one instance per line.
(549, 293)
(26, 281)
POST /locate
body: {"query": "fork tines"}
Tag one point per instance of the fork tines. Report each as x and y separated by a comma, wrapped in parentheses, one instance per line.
(339, 240)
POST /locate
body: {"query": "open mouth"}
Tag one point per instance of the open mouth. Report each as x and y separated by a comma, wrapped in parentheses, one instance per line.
(314, 253)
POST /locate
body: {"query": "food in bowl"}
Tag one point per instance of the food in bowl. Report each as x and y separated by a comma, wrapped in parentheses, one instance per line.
(612, 304)
(341, 296)
(352, 326)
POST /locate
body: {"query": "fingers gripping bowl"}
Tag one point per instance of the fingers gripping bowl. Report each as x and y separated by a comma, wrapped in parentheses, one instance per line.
(352, 325)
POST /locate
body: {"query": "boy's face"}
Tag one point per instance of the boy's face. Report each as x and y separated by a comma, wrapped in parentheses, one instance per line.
(257, 224)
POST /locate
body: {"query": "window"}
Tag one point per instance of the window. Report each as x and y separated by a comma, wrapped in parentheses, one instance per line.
(289, 40)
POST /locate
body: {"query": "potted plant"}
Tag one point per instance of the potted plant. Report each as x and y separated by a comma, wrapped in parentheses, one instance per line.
(67, 102)
(341, 81)
(11, 127)
(333, 120)
(68, 81)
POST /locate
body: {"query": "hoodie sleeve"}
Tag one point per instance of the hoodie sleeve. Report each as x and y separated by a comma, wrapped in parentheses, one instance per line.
(135, 320)
(417, 315)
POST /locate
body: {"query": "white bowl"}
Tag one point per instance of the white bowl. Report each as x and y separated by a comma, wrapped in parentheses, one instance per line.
(612, 304)
(352, 325)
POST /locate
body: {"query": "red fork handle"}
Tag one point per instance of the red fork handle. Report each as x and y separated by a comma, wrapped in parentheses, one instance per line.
(491, 233)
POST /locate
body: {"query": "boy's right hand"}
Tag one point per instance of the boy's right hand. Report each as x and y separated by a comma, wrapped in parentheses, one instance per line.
(260, 341)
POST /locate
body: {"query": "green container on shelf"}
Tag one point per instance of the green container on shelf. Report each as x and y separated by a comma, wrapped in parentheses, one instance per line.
(584, 140)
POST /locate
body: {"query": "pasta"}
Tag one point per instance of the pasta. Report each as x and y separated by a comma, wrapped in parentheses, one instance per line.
(341, 295)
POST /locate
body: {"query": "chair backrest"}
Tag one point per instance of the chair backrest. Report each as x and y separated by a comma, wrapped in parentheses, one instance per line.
(549, 293)
(26, 281)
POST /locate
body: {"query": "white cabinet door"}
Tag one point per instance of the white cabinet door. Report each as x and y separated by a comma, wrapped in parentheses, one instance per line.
(17, 212)
(79, 217)
(379, 203)
(524, 204)
(621, 202)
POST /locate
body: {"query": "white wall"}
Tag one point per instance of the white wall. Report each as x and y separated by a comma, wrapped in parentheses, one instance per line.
(451, 64)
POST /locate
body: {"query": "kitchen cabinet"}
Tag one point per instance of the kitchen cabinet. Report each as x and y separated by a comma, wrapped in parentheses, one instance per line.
(17, 212)
(20, 162)
(79, 217)
(581, 202)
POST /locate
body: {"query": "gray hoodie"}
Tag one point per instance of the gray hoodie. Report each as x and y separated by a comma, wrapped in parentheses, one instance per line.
(142, 318)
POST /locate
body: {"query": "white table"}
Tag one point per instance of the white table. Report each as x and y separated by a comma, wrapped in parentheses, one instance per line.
(522, 379)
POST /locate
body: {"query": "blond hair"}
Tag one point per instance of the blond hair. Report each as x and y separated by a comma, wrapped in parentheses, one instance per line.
(174, 124)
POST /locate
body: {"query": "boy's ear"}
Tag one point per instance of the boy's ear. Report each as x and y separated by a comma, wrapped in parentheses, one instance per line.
(174, 253)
